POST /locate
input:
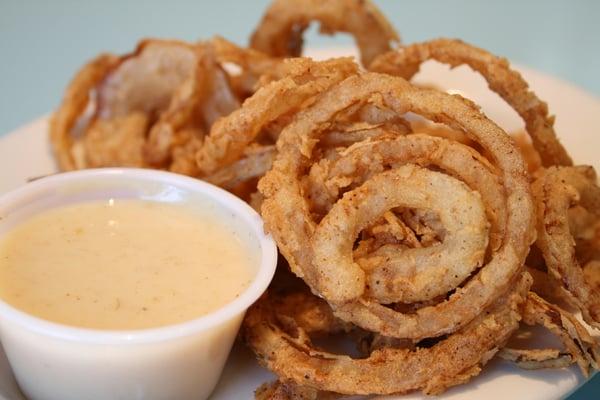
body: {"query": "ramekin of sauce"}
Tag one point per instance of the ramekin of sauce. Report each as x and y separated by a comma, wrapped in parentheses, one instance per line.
(126, 283)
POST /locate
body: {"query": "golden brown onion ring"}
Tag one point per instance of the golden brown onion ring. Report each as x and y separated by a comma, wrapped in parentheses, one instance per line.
(287, 213)
(413, 274)
(73, 106)
(146, 79)
(449, 362)
(280, 31)
(231, 135)
(328, 177)
(161, 81)
(195, 105)
(555, 192)
(500, 77)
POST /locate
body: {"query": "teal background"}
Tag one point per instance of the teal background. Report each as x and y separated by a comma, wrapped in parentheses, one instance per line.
(42, 43)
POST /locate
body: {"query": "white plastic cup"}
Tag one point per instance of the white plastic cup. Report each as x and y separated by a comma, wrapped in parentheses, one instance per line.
(53, 361)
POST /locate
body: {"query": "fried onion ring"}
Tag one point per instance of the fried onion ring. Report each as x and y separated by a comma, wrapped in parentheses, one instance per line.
(287, 213)
(196, 104)
(231, 135)
(500, 77)
(555, 192)
(582, 347)
(74, 104)
(414, 274)
(280, 31)
(449, 362)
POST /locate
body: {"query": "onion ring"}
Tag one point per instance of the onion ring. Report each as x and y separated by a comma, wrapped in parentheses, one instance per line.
(75, 101)
(555, 192)
(143, 109)
(451, 361)
(280, 31)
(500, 77)
(196, 104)
(231, 135)
(287, 215)
(415, 274)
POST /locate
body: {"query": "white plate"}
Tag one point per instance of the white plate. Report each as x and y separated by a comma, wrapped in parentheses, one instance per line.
(25, 153)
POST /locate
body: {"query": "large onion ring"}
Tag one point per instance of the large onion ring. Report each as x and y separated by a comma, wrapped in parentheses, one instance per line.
(555, 192)
(387, 370)
(500, 77)
(287, 214)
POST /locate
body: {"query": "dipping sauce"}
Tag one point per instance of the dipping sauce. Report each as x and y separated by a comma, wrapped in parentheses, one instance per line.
(124, 264)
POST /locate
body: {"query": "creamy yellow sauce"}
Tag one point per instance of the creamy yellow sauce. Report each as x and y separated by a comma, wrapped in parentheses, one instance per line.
(124, 264)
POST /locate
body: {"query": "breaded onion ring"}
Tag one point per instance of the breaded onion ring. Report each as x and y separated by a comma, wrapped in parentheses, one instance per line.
(500, 77)
(327, 178)
(387, 370)
(555, 192)
(287, 213)
(195, 105)
(280, 31)
(75, 101)
(231, 135)
(114, 102)
(414, 274)
(583, 348)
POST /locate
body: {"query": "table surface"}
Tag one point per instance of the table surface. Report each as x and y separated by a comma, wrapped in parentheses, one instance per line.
(42, 43)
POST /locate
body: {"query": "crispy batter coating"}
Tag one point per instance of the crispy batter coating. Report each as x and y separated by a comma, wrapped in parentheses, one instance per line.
(450, 361)
(555, 192)
(410, 275)
(287, 212)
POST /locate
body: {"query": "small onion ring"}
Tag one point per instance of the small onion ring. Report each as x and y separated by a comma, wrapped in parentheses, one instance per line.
(415, 274)
(583, 348)
(75, 101)
(328, 177)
